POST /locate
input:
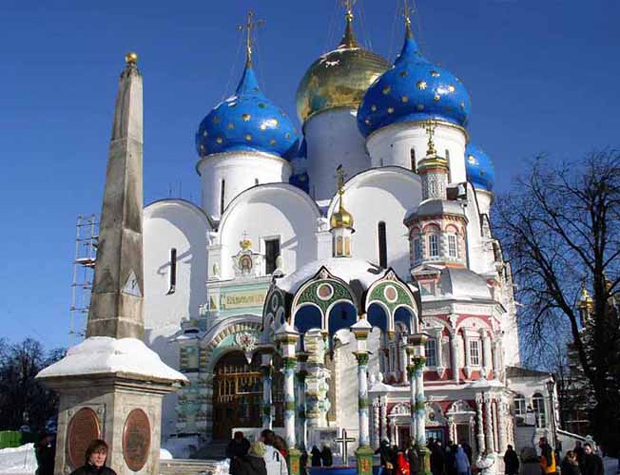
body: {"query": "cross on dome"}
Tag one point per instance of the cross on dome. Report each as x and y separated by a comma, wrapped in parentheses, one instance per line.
(250, 27)
(429, 127)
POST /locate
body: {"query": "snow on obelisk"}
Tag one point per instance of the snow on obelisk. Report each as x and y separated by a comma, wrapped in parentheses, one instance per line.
(111, 385)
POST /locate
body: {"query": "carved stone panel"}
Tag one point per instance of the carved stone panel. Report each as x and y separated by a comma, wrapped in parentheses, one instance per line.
(136, 439)
(83, 429)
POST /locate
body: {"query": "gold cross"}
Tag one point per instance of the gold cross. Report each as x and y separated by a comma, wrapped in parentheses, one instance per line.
(429, 127)
(407, 12)
(348, 6)
(250, 26)
(340, 174)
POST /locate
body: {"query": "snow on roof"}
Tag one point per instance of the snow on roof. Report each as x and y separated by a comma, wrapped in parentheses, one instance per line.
(346, 268)
(106, 355)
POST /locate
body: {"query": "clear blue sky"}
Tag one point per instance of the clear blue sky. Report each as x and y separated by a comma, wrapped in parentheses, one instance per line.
(543, 76)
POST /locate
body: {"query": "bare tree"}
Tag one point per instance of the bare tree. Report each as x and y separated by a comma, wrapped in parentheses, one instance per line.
(560, 228)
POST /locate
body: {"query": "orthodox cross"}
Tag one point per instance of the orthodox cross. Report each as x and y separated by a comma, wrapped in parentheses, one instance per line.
(407, 12)
(429, 127)
(345, 441)
(250, 26)
(340, 175)
(348, 6)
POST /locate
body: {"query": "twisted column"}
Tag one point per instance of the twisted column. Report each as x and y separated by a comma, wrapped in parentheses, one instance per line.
(479, 423)
(384, 418)
(490, 440)
(454, 356)
(289, 399)
(362, 381)
(374, 435)
(267, 373)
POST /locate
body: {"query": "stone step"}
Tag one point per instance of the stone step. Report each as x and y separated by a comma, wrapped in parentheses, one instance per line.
(187, 467)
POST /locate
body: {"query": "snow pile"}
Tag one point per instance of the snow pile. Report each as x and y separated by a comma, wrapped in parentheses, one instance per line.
(106, 355)
(222, 468)
(165, 454)
(18, 461)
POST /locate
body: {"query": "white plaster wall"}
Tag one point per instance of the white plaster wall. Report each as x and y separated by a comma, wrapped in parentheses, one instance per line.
(333, 139)
(240, 171)
(392, 145)
(271, 211)
(181, 225)
(381, 194)
(347, 397)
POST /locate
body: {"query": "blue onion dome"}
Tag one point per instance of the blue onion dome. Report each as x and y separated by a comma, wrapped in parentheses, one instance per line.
(247, 121)
(479, 168)
(413, 90)
(339, 78)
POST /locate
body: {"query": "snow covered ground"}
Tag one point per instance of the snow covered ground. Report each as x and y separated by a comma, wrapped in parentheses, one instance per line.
(18, 461)
(611, 466)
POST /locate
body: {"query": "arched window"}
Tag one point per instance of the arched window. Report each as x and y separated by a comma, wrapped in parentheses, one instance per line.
(222, 194)
(173, 271)
(433, 245)
(414, 168)
(431, 352)
(453, 247)
(418, 254)
(538, 404)
(520, 406)
(382, 244)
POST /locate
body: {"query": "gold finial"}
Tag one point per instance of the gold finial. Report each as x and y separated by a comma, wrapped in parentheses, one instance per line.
(340, 175)
(429, 127)
(407, 13)
(249, 27)
(341, 218)
(348, 40)
(131, 58)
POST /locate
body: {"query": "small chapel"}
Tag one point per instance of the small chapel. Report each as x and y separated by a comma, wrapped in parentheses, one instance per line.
(341, 275)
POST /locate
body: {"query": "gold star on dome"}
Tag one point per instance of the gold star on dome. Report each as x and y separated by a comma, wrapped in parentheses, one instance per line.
(219, 140)
(231, 126)
(435, 74)
(390, 110)
(421, 85)
(437, 97)
(451, 88)
(246, 117)
(387, 89)
(248, 137)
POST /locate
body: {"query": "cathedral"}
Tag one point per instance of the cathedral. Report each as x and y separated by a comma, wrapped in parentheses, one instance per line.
(338, 275)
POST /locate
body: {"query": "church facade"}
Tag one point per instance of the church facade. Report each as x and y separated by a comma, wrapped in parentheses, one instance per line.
(373, 218)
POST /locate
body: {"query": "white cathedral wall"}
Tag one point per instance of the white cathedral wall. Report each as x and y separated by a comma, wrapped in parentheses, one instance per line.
(392, 145)
(235, 172)
(181, 225)
(381, 194)
(267, 212)
(333, 139)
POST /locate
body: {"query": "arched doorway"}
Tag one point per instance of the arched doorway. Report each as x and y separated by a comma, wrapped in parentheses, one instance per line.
(238, 394)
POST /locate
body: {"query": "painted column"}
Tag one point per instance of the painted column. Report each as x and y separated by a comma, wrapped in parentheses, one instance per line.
(361, 329)
(454, 355)
(418, 345)
(501, 423)
(404, 362)
(490, 442)
(479, 423)
(496, 368)
(376, 424)
(467, 354)
(317, 402)
(301, 400)
(267, 372)
(287, 337)
(384, 418)
(413, 428)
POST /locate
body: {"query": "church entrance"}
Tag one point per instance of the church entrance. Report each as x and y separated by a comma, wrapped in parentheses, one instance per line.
(238, 394)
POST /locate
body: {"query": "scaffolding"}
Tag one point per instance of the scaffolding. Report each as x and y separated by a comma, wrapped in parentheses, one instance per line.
(87, 234)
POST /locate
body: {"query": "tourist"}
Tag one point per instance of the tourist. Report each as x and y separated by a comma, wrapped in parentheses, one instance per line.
(461, 461)
(387, 457)
(485, 463)
(570, 465)
(237, 446)
(437, 458)
(579, 453)
(511, 461)
(303, 460)
(96, 456)
(315, 461)
(326, 456)
(274, 461)
(467, 450)
(592, 463)
(280, 445)
(402, 464)
(252, 463)
(45, 452)
(547, 457)
(530, 465)
(413, 457)
(449, 457)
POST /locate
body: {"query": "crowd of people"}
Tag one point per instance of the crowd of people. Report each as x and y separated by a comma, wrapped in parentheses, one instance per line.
(266, 456)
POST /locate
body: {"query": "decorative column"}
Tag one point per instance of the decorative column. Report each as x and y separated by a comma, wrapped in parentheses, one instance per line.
(317, 402)
(467, 354)
(501, 423)
(364, 453)
(480, 423)
(413, 427)
(376, 424)
(301, 399)
(404, 361)
(490, 442)
(486, 353)
(384, 418)
(418, 344)
(287, 337)
(495, 357)
(267, 373)
(454, 355)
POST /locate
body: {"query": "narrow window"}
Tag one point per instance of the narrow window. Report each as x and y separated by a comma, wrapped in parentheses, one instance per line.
(433, 245)
(538, 403)
(272, 251)
(520, 409)
(255, 181)
(382, 245)
(173, 271)
(474, 352)
(222, 193)
(414, 169)
(447, 154)
(431, 352)
(417, 250)
(452, 248)
(381, 162)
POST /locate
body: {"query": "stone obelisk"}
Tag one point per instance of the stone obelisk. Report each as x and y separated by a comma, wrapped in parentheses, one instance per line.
(111, 385)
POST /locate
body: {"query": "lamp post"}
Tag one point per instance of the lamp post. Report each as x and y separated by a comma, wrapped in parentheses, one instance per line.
(361, 329)
(417, 351)
(287, 338)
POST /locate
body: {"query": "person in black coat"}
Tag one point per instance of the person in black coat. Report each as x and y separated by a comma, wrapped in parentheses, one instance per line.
(315, 461)
(387, 457)
(511, 461)
(251, 463)
(570, 465)
(45, 452)
(96, 456)
(327, 457)
(592, 463)
(237, 446)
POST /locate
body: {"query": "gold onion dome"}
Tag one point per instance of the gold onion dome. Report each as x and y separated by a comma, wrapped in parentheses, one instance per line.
(341, 218)
(340, 77)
